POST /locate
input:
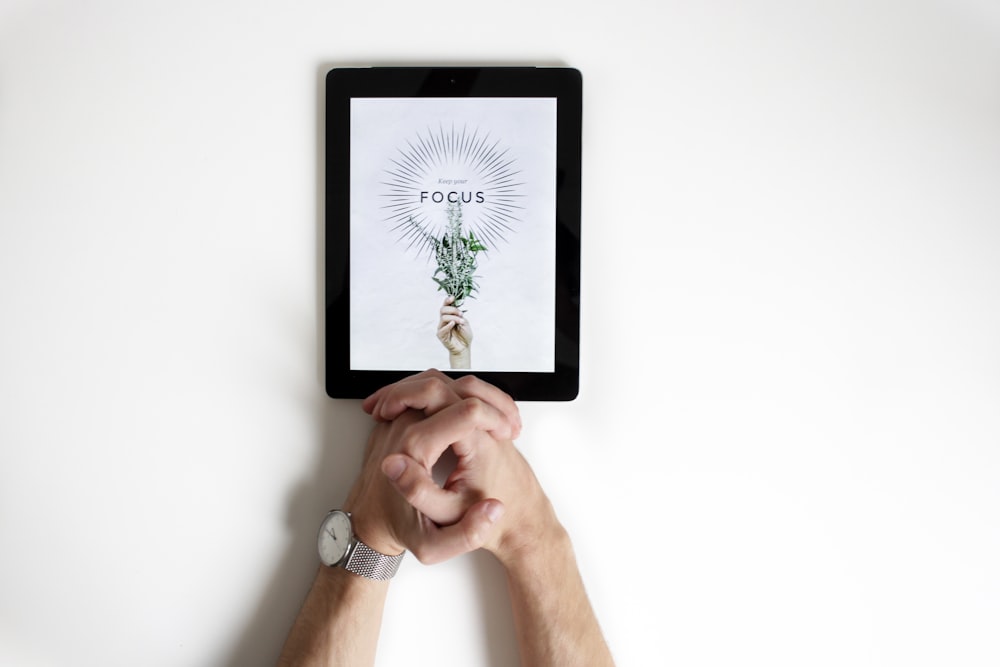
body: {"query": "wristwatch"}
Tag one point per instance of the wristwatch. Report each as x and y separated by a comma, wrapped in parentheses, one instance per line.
(338, 547)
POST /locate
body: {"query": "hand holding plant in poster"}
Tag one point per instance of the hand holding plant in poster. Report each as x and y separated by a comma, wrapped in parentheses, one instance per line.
(456, 277)
(455, 334)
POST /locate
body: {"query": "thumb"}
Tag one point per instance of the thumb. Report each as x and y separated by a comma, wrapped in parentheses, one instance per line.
(469, 534)
(415, 483)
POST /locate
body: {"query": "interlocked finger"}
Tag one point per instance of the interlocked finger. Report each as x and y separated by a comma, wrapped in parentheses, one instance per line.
(441, 543)
(416, 484)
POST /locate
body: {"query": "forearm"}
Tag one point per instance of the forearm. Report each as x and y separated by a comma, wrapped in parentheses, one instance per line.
(554, 621)
(339, 622)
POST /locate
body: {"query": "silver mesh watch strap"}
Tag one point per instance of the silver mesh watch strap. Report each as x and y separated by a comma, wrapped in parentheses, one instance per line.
(369, 563)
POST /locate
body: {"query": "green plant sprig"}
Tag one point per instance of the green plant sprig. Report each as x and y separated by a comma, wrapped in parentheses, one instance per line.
(456, 257)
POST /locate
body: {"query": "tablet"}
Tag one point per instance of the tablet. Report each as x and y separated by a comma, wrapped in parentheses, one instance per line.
(453, 227)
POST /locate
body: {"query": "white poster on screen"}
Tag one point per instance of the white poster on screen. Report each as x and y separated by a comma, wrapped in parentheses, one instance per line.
(417, 167)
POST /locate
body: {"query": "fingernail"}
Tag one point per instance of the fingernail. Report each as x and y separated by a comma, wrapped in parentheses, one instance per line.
(394, 467)
(494, 511)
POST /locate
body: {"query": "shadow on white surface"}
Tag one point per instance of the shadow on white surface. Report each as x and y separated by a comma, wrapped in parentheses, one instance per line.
(344, 429)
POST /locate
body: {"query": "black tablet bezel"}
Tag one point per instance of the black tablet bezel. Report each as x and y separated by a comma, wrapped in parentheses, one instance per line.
(563, 84)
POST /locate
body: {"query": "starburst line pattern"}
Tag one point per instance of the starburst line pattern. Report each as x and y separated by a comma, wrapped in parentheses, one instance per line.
(440, 152)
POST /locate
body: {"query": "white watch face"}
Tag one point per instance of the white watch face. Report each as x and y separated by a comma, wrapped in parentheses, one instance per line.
(334, 537)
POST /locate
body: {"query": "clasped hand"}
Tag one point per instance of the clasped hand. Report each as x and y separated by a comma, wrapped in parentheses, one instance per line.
(490, 500)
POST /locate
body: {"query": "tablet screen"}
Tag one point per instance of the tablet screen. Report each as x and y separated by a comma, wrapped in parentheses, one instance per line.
(452, 233)
(452, 224)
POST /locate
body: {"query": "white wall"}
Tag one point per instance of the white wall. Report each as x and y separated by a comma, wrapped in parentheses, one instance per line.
(787, 446)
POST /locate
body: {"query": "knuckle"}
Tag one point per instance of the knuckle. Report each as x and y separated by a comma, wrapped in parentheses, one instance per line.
(466, 382)
(435, 374)
(416, 493)
(474, 535)
(434, 387)
(410, 441)
(473, 407)
(439, 387)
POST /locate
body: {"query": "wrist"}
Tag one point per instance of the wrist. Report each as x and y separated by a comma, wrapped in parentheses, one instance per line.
(370, 523)
(461, 359)
(373, 529)
(536, 560)
(336, 582)
(522, 546)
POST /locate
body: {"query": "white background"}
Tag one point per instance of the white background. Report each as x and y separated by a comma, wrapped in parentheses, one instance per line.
(395, 304)
(787, 446)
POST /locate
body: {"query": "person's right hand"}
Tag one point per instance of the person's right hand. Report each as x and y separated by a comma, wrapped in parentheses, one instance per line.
(489, 465)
